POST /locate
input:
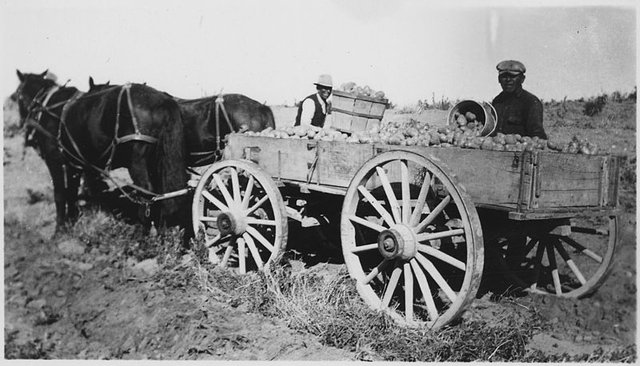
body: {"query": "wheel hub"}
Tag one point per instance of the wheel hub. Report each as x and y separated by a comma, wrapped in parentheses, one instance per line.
(397, 242)
(230, 223)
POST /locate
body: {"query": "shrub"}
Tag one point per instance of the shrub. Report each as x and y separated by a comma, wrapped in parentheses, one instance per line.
(595, 106)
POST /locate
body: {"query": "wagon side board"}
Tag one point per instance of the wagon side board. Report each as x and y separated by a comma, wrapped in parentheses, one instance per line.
(529, 185)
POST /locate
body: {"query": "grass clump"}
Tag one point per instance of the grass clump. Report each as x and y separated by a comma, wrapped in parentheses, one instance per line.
(329, 307)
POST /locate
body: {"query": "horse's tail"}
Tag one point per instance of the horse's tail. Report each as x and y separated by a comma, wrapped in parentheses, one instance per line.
(267, 115)
(171, 159)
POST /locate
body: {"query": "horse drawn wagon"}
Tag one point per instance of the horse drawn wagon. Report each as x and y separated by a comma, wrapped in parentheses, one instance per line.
(415, 221)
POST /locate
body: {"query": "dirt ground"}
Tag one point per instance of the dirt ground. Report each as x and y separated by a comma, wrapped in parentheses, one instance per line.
(64, 302)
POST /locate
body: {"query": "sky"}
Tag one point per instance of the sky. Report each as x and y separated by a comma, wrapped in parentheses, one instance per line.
(274, 50)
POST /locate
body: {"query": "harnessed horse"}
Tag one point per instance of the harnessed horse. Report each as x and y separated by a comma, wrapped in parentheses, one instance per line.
(132, 126)
(208, 120)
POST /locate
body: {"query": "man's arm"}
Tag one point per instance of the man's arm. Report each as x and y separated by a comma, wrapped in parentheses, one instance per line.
(534, 120)
(308, 110)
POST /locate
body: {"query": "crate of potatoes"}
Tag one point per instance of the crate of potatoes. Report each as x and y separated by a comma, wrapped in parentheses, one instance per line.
(357, 109)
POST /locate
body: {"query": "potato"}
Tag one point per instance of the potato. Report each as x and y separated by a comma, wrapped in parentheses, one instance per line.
(470, 116)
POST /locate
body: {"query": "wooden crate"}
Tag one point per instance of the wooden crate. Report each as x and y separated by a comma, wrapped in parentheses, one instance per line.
(353, 113)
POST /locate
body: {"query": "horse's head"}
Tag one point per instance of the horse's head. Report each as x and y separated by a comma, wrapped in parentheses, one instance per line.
(93, 87)
(30, 87)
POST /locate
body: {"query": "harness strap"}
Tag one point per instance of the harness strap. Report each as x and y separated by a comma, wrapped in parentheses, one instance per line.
(136, 136)
(219, 102)
(44, 102)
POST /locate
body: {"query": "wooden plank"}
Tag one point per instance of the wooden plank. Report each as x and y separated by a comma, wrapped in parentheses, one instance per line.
(339, 161)
(568, 180)
(615, 163)
(491, 177)
(280, 158)
(344, 102)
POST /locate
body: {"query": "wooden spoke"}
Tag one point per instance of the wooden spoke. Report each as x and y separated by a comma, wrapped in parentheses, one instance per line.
(551, 256)
(435, 274)
(262, 200)
(247, 193)
(406, 194)
(426, 290)
(226, 256)
(381, 266)
(537, 264)
(408, 293)
(589, 230)
(362, 248)
(256, 234)
(235, 185)
(208, 219)
(223, 189)
(215, 201)
(374, 202)
(422, 199)
(391, 287)
(369, 224)
(242, 260)
(565, 256)
(442, 256)
(391, 197)
(582, 249)
(433, 214)
(254, 250)
(209, 242)
(255, 221)
(439, 235)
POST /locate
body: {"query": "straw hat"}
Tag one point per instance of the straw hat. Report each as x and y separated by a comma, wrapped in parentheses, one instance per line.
(325, 80)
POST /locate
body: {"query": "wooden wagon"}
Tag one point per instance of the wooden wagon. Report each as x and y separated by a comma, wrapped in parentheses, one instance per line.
(415, 221)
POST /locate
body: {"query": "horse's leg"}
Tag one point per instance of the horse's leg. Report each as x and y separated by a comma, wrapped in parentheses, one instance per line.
(58, 178)
(71, 194)
(140, 175)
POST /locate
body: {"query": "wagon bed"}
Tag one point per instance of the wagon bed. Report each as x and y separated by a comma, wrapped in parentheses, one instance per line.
(529, 185)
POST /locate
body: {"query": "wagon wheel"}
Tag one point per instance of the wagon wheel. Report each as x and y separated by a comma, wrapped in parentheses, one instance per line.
(573, 263)
(242, 215)
(426, 232)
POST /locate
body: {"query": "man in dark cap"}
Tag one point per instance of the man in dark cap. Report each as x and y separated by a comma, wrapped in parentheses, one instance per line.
(313, 109)
(519, 112)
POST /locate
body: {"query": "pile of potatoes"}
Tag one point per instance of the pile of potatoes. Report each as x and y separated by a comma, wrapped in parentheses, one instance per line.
(366, 91)
(418, 134)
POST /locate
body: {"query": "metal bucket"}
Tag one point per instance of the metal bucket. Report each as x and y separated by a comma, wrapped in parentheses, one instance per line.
(484, 112)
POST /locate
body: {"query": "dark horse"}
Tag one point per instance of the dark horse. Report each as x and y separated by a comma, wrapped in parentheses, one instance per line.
(132, 126)
(208, 120)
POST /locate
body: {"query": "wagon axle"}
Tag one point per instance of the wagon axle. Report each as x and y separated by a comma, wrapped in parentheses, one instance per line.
(398, 242)
(230, 223)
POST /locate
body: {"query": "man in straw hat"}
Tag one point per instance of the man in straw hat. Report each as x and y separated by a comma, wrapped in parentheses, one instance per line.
(313, 109)
(519, 112)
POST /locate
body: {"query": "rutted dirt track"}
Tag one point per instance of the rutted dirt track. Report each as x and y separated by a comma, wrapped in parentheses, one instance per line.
(66, 300)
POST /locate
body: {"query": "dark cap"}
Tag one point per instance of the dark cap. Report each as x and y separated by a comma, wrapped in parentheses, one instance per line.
(511, 67)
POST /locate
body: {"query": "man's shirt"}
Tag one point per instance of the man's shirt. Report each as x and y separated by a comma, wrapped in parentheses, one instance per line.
(519, 113)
